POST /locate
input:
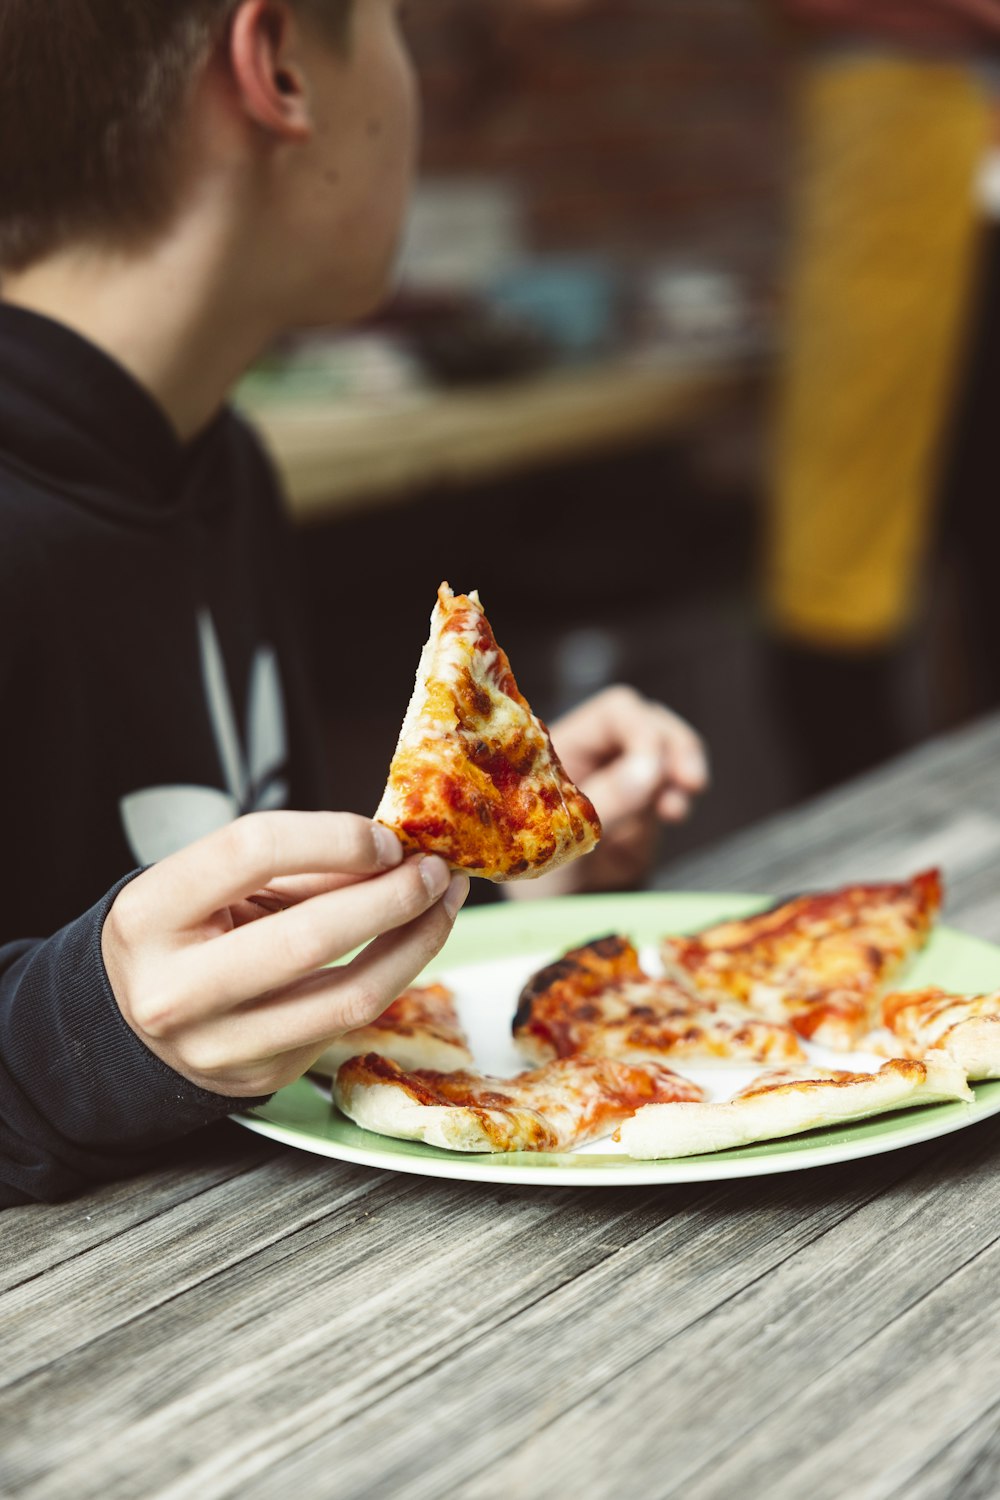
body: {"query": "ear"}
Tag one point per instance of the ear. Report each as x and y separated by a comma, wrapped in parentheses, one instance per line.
(271, 87)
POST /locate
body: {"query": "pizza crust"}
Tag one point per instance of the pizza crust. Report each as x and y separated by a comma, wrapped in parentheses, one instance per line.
(555, 1108)
(385, 1110)
(777, 1107)
(410, 1052)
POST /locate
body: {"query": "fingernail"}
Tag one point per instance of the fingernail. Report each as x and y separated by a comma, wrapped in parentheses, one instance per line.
(642, 772)
(458, 891)
(388, 849)
(435, 875)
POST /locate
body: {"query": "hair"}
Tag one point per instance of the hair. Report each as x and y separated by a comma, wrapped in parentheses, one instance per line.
(92, 100)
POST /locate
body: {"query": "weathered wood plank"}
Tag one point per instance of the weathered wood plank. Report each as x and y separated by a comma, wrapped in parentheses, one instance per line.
(646, 1391)
(783, 1388)
(968, 1467)
(901, 1399)
(470, 1314)
(115, 1282)
(345, 1302)
(38, 1237)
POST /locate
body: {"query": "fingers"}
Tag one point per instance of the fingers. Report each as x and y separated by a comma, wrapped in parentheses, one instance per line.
(268, 1044)
(673, 806)
(392, 962)
(634, 788)
(618, 794)
(620, 724)
(283, 948)
(289, 890)
(647, 765)
(653, 731)
(246, 856)
(339, 1000)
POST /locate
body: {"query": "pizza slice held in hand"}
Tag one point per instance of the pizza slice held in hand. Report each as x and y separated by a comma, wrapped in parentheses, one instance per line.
(781, 1104)
(819, 961)
(419, 1030)
(475, 778)
(598, 1000)
(555, 1108)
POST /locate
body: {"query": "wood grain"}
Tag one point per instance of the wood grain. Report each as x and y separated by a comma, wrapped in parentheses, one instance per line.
(36, 1239)
(253, 1321)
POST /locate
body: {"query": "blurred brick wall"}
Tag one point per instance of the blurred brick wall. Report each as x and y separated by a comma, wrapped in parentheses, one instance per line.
(637, 125)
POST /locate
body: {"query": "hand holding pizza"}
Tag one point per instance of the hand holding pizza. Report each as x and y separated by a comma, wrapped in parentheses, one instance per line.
(216, 955)
(640, 765)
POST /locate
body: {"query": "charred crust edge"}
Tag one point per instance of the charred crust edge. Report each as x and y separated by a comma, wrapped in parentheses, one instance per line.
(562, 970)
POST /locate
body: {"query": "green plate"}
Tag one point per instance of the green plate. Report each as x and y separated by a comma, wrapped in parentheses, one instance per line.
(494, 948)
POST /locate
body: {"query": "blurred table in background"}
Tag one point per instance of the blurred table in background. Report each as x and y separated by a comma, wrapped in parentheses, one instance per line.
(336, 455)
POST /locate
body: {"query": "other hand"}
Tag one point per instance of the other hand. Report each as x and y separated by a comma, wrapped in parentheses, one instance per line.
(641, 765)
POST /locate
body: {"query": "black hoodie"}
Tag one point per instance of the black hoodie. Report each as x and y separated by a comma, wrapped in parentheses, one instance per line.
(150, 690)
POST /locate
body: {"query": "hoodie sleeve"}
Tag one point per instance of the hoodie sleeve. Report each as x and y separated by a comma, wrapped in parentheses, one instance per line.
(82, 1100)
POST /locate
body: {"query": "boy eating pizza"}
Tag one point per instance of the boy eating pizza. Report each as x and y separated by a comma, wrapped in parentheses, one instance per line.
(180, 180)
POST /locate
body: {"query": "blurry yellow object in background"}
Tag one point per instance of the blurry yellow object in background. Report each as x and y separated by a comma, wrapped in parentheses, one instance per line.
(883, 261)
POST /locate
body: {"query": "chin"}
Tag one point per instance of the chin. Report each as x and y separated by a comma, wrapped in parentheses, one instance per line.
(340, 309)
(355, 294)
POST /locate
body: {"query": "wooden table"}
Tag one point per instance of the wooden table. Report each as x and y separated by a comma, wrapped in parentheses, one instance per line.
(256, 1322)
(339, 455)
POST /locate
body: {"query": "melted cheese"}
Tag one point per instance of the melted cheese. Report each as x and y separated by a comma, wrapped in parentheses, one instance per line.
(819, 961)
(597, 1000)
(474, 776)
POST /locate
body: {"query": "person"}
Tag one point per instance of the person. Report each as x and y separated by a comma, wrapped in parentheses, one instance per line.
(179, 181)
(894, 116)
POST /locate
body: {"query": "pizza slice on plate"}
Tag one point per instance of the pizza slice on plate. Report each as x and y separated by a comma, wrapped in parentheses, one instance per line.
(419, 1030)
(967, 1027)
(818, 961)
(782, 1104)
(598, 1000)
(555, 1108)
(474, 777)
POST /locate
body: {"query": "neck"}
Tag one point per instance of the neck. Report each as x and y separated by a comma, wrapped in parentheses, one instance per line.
(171, 314)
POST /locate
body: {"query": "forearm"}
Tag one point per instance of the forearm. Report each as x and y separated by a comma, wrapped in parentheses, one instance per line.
(82, 1101)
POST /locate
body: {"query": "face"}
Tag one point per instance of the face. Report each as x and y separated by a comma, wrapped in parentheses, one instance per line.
(351, 182)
